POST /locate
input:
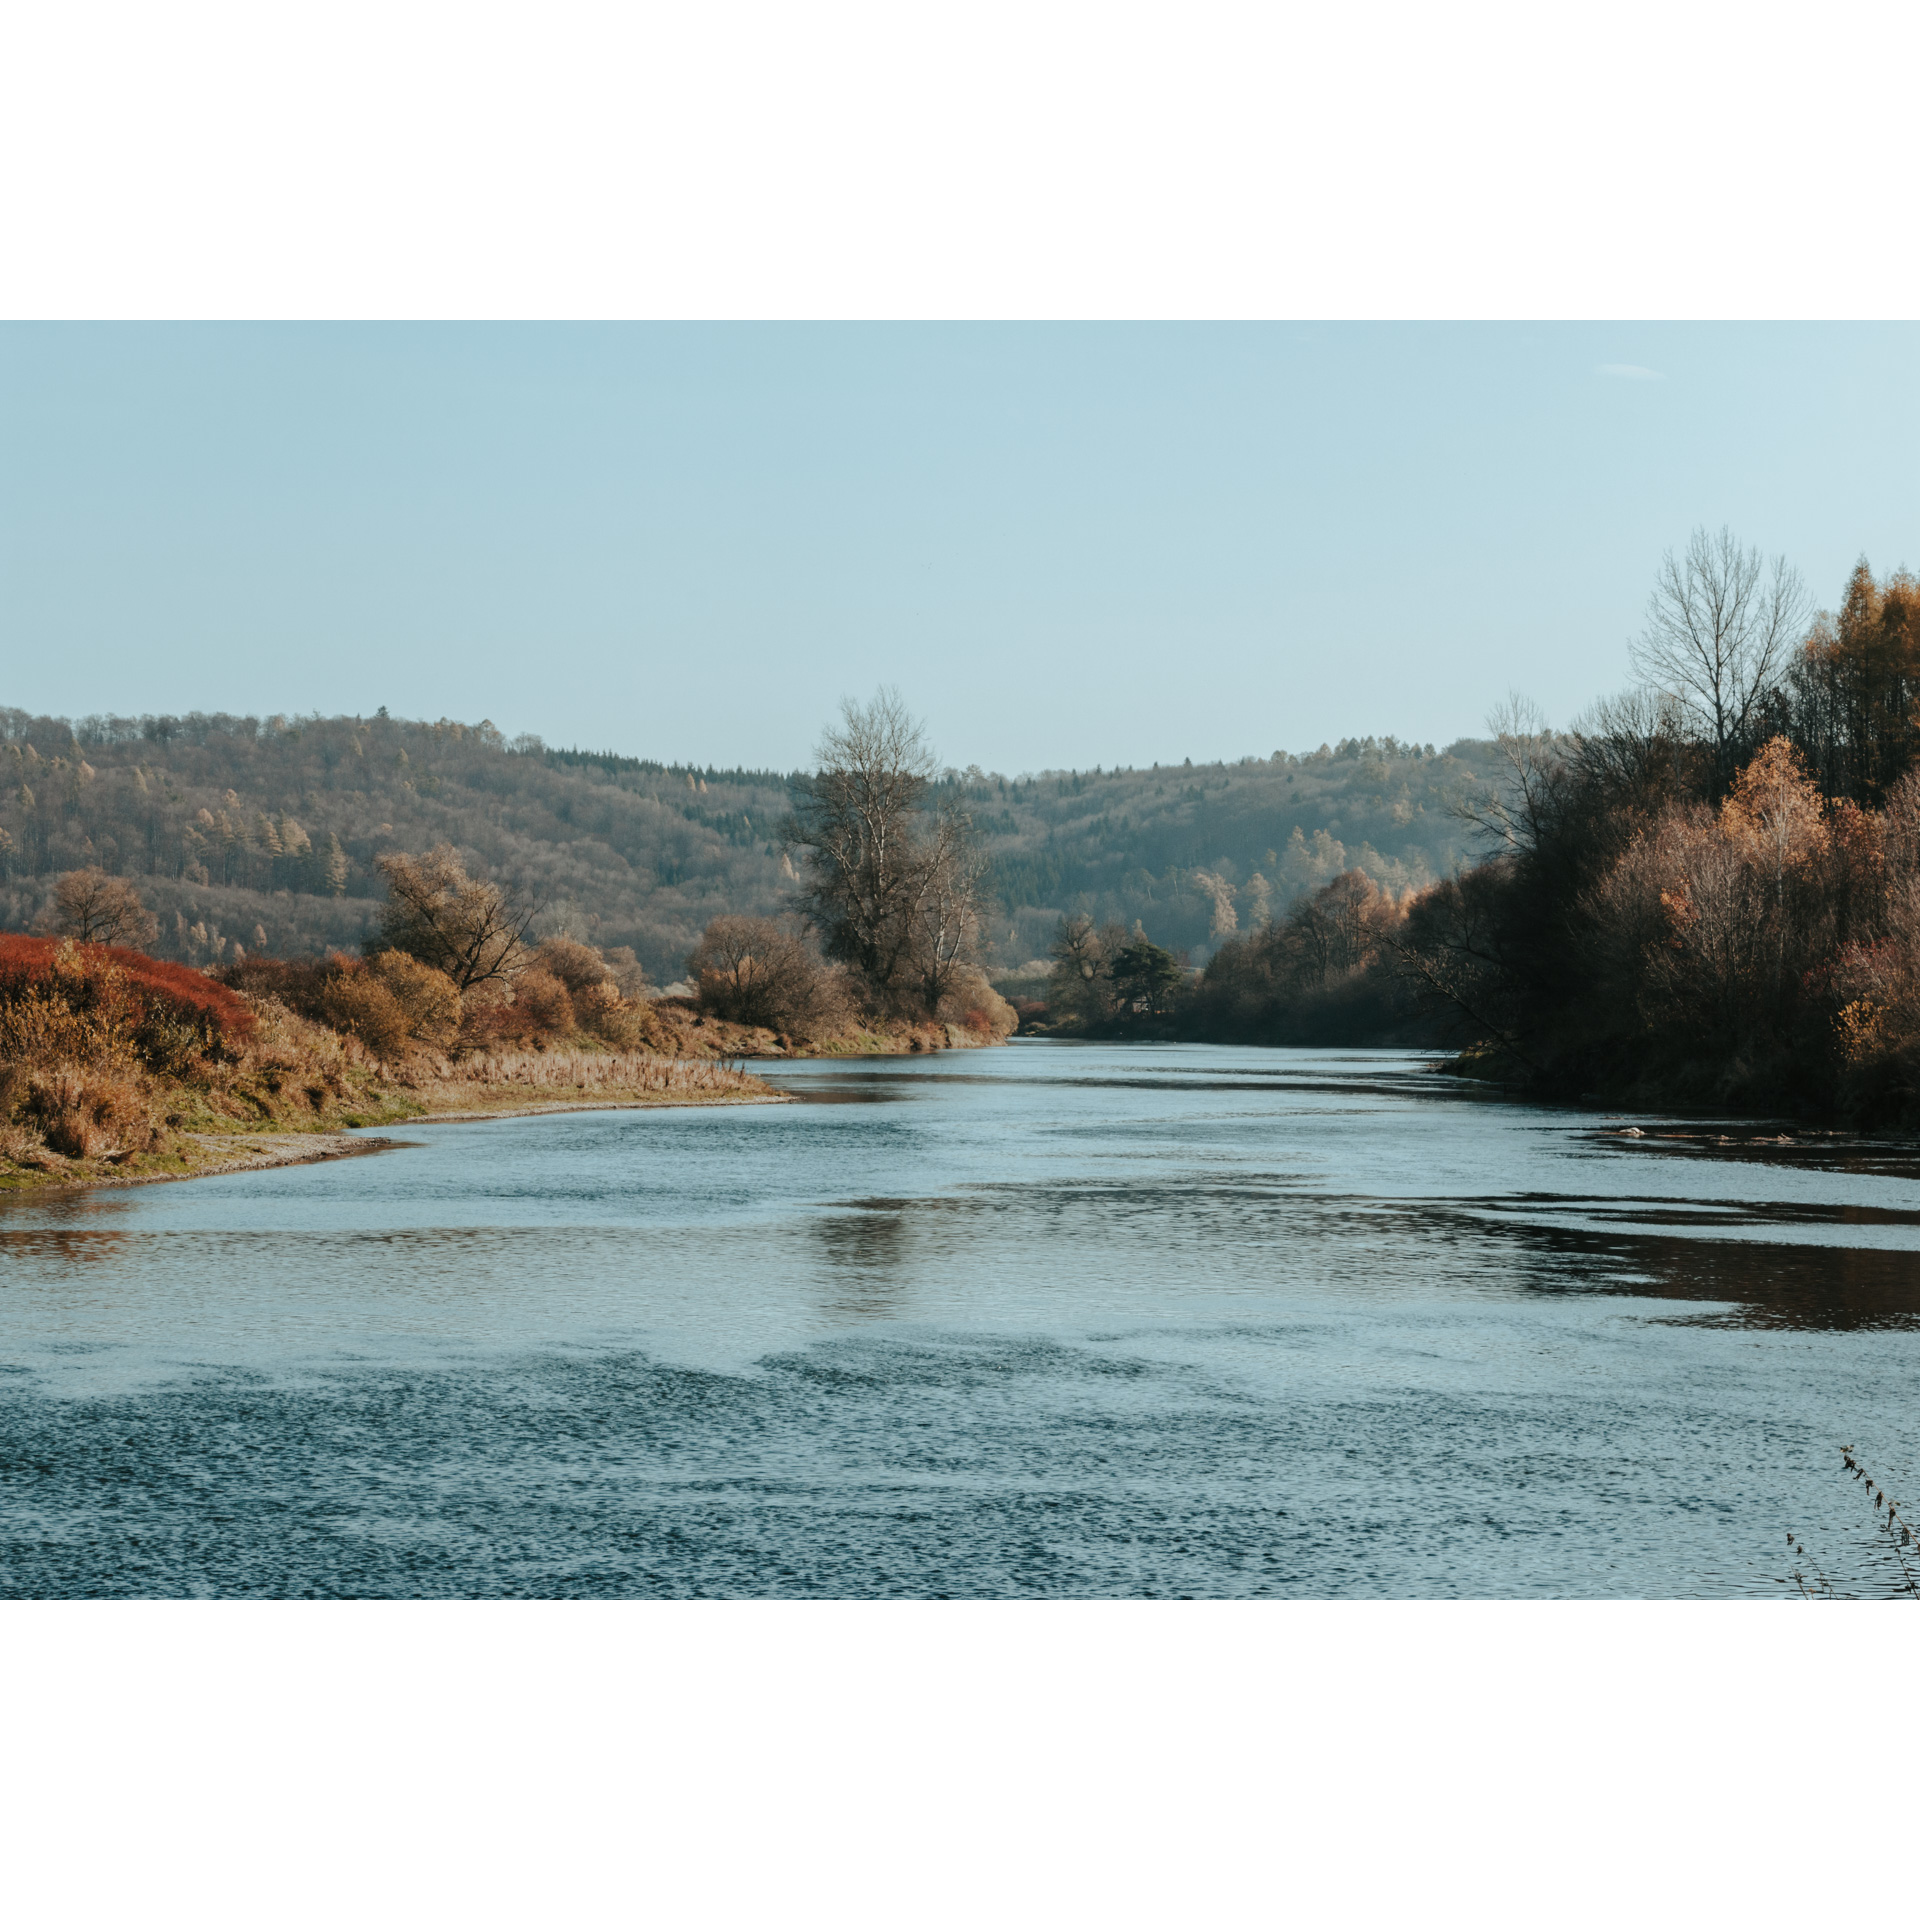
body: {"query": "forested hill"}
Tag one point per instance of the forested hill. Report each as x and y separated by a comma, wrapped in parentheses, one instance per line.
(1184, 849)
(243, 830)
(250, 831)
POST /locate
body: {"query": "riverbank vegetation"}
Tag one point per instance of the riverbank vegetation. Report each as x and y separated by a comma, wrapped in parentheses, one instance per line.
(1707, 892)
(113, 1059)
(894, 893)
(114, 1064)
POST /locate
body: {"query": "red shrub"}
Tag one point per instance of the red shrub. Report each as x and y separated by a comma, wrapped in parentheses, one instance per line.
(298, 984)
(165, 989)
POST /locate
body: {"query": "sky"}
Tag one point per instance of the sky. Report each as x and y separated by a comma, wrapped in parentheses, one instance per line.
(1067, 545)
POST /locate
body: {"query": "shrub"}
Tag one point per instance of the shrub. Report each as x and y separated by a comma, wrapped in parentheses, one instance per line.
(75, 1110)
(574, 964)
(542, 1006)
(296, 984)
(87, 992)
(82, 1113)
(568, 987)
(429, 1002)
(971, 1002)
(355, 1001)
(601, 1011)
(756, 972)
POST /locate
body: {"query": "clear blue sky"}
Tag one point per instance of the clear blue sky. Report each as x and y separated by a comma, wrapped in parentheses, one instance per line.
(1067, 545)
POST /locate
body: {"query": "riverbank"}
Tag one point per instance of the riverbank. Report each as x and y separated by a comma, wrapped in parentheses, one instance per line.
(185, 1151)
(117, 1069)
(184, 1154)
(684, 1031)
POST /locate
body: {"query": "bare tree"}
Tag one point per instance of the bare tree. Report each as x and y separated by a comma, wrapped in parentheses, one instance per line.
(1515, 809)
(1722, 624)
(91, 905)
(900, 908)
(1634, 742)
(761, 974)
(468, 928)
(950, 885)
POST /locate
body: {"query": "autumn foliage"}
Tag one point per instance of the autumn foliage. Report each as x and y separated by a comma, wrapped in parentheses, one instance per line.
(84, 1030)
(87, 976)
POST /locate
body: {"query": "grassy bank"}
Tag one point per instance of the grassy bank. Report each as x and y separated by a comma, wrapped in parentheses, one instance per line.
(684, 1030)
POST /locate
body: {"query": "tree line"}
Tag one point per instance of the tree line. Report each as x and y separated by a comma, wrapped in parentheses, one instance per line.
(1707, 890)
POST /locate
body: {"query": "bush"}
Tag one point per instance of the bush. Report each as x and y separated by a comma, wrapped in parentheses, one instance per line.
(542, 1006)
(574, 964)
(346, 994)
(82, 1114)
(757, 973)
(971, 1002)
(618, 1023)
(59, 998)
(429, 1002)
(354, 1000)
(296, 984)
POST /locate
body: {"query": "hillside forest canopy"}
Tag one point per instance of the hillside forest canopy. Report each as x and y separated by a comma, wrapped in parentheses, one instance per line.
(238, 830)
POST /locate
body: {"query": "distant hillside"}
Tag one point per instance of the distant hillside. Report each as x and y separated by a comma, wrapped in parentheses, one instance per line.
(243, 830)
(1151, 846)
(229, 824)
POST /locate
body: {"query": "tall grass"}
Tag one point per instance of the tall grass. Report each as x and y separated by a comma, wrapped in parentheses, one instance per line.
(558, 1067)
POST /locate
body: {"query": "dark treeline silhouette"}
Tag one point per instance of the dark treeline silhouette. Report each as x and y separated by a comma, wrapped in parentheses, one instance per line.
(1707, 891)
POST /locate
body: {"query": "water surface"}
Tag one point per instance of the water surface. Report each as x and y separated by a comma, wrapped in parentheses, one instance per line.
(1043, 1320)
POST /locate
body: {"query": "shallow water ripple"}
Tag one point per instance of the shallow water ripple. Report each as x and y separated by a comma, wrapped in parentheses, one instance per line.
(1047, 1320)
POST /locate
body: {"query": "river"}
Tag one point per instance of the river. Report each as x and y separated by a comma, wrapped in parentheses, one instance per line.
(1043, 1320)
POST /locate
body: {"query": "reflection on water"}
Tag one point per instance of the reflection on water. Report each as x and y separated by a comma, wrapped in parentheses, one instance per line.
(1047, 1320)
(865, 1258)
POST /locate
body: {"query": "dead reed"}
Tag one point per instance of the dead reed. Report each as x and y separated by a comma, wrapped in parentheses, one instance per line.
(558, 1067)
(1895, 1533)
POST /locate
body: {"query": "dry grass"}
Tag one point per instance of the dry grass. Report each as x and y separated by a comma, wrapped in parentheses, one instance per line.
(561, 1068)
(100, 1077)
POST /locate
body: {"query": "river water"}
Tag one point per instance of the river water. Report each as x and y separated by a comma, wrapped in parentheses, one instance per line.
(1050, 1319)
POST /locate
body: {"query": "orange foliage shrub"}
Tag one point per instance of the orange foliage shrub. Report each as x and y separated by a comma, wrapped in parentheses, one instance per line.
(354, 1001)
(542, 1006)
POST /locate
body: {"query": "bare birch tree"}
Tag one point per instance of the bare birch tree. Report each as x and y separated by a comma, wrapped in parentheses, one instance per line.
(951, 884)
